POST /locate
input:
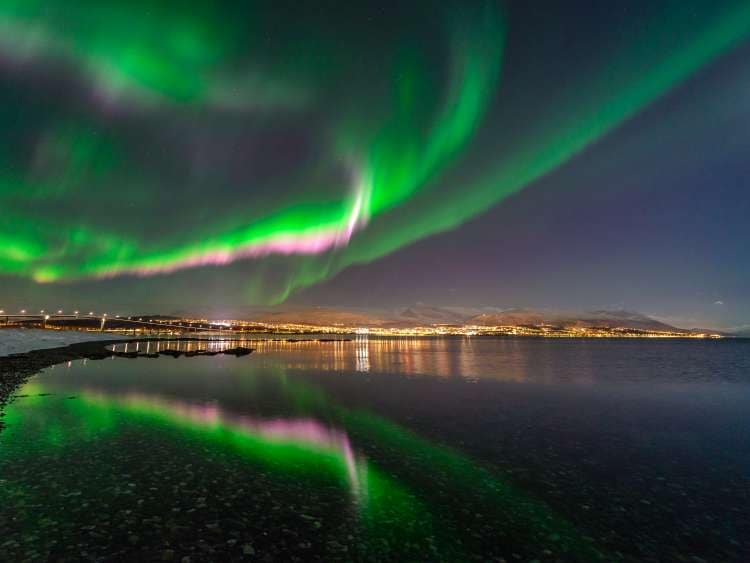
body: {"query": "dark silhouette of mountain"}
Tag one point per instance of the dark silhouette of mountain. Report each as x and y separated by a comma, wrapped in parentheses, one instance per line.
(511, 317)
(591, 319)
(619, 319)
(434, 315)
(320, 316)
(426, 315)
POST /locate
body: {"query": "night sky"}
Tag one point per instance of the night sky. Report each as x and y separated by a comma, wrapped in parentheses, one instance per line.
(164, 154)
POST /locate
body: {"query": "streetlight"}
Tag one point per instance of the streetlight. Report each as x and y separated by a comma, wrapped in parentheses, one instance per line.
(23, 311)
(59, 311)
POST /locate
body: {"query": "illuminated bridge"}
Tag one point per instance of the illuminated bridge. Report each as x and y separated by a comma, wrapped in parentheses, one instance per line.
(101, 321)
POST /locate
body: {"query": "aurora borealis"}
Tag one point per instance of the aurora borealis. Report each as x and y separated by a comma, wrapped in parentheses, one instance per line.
(148, 145)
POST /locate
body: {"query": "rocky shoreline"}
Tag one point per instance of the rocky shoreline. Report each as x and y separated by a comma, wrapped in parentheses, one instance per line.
(16, 369)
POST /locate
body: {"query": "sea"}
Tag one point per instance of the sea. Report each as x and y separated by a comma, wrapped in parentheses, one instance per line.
(384, 449)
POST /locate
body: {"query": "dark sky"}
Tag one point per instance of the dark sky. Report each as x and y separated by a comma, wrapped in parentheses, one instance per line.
(570, 155)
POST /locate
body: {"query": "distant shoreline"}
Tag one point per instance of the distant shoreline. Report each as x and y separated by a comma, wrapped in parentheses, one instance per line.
(534, 331)
(417, 320)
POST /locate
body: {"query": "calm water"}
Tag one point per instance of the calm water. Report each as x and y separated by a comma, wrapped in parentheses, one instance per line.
(386, 449)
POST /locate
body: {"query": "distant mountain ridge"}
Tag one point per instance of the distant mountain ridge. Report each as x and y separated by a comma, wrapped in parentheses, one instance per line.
(424, 315)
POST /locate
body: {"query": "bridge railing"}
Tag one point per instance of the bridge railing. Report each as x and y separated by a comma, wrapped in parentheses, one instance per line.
(115, 322)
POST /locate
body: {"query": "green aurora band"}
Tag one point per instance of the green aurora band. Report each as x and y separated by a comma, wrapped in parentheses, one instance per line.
(396, 123)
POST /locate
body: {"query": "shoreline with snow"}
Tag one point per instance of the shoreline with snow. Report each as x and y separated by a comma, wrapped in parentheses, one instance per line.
(23, 340)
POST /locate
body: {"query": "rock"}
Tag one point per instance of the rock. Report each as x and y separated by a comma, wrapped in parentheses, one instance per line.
(239, 351)
(170, 352)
